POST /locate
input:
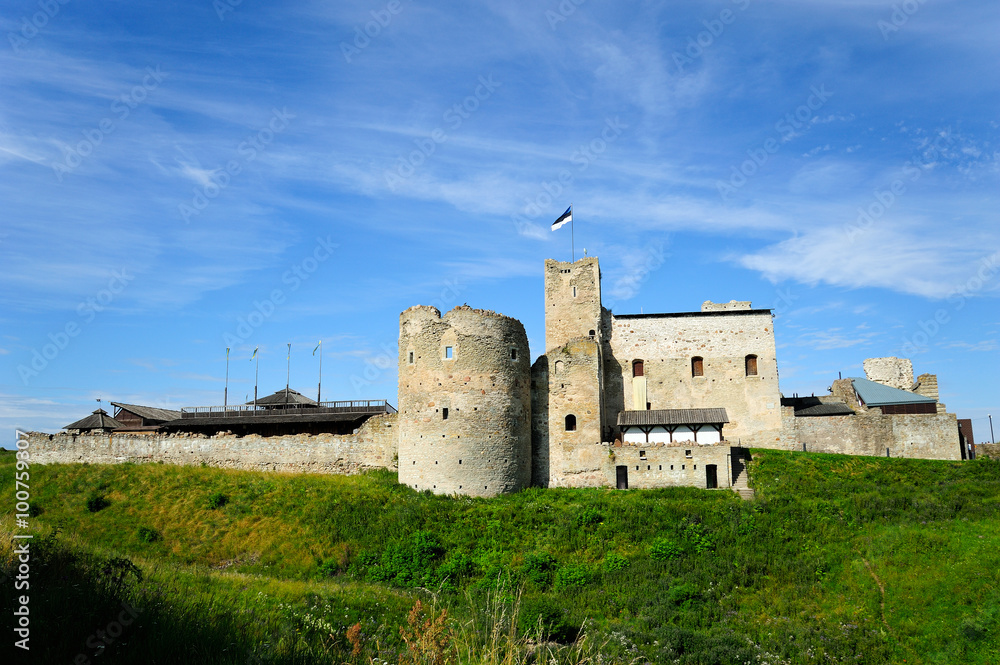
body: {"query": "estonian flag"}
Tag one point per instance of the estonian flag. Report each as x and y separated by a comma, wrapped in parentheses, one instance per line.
(564, 218)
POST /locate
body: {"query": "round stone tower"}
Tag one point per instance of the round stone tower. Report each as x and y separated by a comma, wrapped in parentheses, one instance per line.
(464, 402)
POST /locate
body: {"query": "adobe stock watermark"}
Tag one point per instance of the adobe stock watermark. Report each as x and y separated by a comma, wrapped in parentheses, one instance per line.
(714, 28)
(563, 11)
(104, 637)
(121, 108)
(901, 13)
(223, 7)
(787, 129)
(87, 311)
(887, 195)
(376, 366)
(364, 34)
(929, 328)
(426, 146)
(627, 286)
(264, 309)
(248, 150)
(30, 26)
(550, 190)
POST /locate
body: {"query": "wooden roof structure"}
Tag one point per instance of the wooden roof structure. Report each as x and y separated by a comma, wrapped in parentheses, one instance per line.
(99, 419)
(654, 417)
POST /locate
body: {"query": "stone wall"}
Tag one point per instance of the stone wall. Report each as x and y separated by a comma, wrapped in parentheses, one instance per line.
(991, 450)
(927, 436)
(372, 446)
(671, 465)
(723, 339)
(567, 383)
(464, 421)
(892, 371)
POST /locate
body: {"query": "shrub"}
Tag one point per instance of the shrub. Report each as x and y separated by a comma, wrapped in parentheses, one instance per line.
(217, 500)
(542, 617)
(572, 577)
(538, 567)
(589, 517)
(96, 503)
(148, 535)
(663, 549)
(613, 562)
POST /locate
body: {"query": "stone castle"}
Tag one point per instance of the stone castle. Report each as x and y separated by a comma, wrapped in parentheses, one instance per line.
(619, 400)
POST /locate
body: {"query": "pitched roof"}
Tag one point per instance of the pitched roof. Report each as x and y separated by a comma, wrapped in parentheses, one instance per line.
(285, 396)
(876, 394)
(149, 412)
(672, 417)
(97, 420)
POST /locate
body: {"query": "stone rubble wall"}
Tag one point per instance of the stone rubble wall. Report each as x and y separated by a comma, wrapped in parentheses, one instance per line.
(926, 436)
(892, 371)
(372, 446)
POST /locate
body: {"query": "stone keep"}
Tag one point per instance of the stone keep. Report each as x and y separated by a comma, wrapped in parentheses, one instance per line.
(464, 402)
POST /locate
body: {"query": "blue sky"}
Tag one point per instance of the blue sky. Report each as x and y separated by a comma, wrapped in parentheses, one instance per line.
(169, 169)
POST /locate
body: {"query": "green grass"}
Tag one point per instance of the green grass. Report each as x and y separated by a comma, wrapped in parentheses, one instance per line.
(839, 559)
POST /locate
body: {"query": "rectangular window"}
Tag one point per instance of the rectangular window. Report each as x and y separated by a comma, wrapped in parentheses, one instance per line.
(449, 352)
(513, 354)
(444, 414)
(642, 454)
(411, 357)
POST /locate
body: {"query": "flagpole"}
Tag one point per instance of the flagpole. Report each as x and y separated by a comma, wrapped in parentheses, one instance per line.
(572, 236)
(256, 374)
(319, 388)
(225, 394)
(288, 370)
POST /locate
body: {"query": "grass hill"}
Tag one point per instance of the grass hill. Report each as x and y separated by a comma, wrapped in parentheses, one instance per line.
(838, 559)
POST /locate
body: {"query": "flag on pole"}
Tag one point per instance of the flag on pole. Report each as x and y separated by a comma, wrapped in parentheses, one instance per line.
(564, 218)
(254, 353)
(317, 347)
(289, 351)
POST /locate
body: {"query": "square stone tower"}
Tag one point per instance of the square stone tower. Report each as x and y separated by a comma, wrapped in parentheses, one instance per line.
(572, 301)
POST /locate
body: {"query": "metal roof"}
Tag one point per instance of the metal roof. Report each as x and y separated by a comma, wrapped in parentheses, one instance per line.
(876, 394)
(97, 420)
(814, 406)
(672, 417)
(149, 412)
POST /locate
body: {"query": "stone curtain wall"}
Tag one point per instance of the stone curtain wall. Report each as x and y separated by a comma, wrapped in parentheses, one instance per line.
(928, 436)
(483, 448)
(670, 465)
(666, 346)
(373, 446)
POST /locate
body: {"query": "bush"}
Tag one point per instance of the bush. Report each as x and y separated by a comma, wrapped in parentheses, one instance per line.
(538, 567)
(589, 517)
(148, 535)
(613, 562)
(217, 500)
(572, 577)
(543, 615)
(663, 549)
(96, 503)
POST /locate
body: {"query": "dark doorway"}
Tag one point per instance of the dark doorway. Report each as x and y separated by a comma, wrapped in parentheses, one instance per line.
(711, 478)
(622, 472)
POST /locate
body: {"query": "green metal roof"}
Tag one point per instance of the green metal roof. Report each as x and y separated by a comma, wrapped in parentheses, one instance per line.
(876, 394)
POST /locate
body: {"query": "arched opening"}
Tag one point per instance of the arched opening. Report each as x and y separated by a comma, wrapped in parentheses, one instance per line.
(571, 423)
(697, 366)
(751, 365)
(559, 367)
(637, 368)
(592, 333)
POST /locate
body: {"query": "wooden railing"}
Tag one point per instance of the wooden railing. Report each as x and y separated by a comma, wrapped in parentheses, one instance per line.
(360, 407)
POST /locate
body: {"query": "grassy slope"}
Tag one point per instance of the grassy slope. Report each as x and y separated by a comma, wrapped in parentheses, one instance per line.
(795, 576)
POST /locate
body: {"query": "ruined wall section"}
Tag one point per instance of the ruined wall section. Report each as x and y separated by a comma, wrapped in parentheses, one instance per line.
(667, 344)
(892, 371)
(483, 446)
(372, 446)
(568, 385)
(927, 385)
(925, 436)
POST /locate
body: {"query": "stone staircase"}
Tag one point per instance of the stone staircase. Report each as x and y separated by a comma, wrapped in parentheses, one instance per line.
(740, 477)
